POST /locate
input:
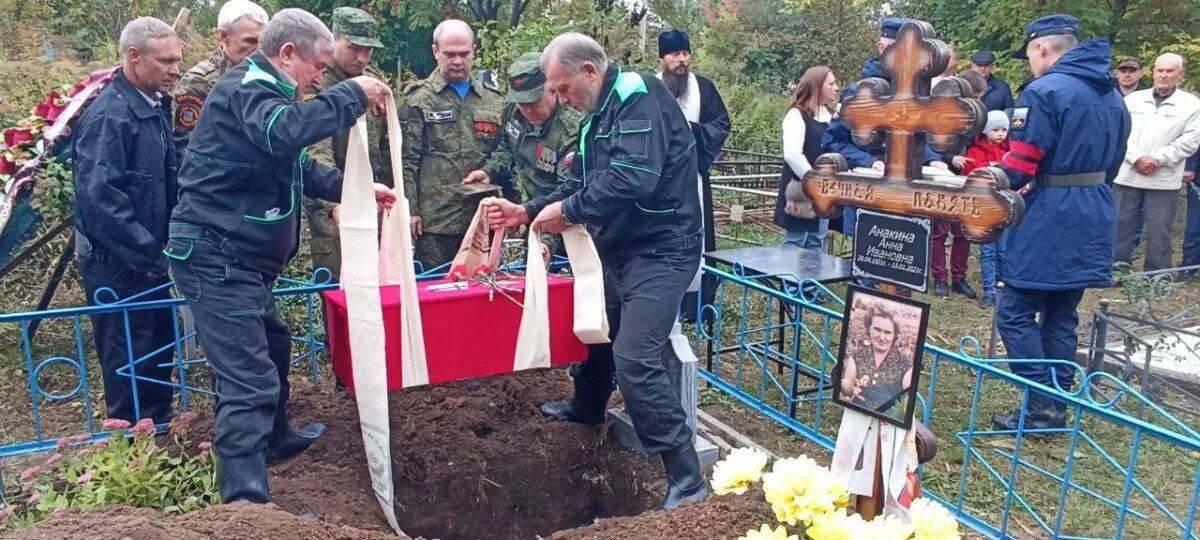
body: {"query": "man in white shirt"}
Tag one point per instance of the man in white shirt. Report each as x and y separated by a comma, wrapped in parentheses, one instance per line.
(1166, 131)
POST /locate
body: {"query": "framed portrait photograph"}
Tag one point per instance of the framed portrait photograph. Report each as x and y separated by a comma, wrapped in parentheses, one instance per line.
(879, 359)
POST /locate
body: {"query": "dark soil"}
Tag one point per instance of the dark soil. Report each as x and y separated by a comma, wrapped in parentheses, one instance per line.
(225, 522)
(472, 460)
(718, 518)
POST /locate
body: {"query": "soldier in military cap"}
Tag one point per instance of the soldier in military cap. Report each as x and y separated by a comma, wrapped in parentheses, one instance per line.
(539, 138)
(239, 24)
(356, 36)
(451, 125)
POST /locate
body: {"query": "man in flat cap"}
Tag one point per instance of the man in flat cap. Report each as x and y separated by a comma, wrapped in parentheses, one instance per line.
(1064, 244)
(998, 96)
(705, 111)
(1129, 75)
(356, 37)
(539, 139)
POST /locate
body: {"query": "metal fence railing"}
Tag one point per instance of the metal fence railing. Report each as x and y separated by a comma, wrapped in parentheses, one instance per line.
(1109, 474)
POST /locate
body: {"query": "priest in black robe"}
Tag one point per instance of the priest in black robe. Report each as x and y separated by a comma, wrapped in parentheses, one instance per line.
(705, 110)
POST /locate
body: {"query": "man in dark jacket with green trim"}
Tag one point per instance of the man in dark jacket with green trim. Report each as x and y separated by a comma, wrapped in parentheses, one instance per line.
(238, 224)
(633, 184)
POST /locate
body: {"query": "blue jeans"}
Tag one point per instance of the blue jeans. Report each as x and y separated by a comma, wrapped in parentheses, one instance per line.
(991, 257)
(1191, 232)
(808, 240)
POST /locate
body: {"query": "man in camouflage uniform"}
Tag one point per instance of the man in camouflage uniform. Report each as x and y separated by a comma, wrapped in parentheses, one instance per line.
(539, 138)
(239, 24)
(451, 124)
(356, 36)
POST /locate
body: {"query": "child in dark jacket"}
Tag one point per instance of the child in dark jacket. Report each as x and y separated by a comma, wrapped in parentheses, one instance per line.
(988, 148)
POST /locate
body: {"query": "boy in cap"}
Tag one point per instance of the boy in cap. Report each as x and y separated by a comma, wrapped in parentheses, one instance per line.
(538, 140)
(1064, 244)
(998, 96)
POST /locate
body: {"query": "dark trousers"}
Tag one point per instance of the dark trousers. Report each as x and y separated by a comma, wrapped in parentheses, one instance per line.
(434, 250)
(642, 296)
(148, 330)
(248, 347)
(1025, 338)
(1156, 210)
(1191, 232)
(960, 248)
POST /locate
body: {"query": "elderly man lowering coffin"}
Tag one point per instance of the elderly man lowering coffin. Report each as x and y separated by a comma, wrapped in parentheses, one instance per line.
(238, 224)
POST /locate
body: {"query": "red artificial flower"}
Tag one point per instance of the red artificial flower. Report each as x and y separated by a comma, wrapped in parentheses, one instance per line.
(7, 165)
(51, 108)
(14, 137)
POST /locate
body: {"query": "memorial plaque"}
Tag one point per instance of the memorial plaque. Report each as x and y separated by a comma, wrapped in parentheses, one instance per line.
(892, 248)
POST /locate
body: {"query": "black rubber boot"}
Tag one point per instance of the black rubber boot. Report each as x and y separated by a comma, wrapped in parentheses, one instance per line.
(685, 478)
(586, 407)
(243, 478)
(1043, 413)
(294, 442)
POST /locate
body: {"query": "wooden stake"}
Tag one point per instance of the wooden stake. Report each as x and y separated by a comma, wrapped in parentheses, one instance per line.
(181, 20)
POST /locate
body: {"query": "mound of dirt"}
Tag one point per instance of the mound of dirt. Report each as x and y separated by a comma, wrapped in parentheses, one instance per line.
(718, 518)
(473, 460)
(225, 522)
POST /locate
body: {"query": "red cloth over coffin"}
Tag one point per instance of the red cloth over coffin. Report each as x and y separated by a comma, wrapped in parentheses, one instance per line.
(467, 334)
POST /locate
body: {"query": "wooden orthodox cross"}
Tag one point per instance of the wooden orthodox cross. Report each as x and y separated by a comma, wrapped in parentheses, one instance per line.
(904, 117)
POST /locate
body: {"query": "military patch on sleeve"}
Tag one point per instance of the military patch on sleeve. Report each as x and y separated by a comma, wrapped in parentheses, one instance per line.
(1019, 115)
(187, 111)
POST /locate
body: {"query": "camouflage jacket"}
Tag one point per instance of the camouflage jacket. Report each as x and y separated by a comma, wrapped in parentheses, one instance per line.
(189, 95)
(445, 137)
(332, 151)
(529, 157)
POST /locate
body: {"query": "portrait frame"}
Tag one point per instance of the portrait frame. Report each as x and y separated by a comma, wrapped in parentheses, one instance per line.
(910, 320)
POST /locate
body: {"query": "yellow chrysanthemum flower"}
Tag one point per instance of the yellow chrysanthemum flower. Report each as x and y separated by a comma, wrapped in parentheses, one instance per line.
(837, 526)
(735, 473)
(765, 533)
(888, 528)
(932, 521)
(800, 491)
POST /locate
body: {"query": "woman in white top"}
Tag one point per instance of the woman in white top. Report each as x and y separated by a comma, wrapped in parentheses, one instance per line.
(813, 106)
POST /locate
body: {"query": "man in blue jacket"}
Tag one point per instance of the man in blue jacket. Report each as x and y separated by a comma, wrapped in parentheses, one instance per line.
(238, 224)
(124, 169)
(998, 96)
(633, 184)
(837, 137)
(1064, 244)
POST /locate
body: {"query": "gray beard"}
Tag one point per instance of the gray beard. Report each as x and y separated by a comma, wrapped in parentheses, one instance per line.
(676, 83)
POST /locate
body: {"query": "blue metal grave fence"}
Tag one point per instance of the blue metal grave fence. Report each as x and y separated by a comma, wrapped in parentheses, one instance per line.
(1107, 475)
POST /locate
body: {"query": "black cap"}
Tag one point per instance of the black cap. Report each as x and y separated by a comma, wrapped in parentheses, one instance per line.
(673, 41)
(983, 58)
(1129, 62)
